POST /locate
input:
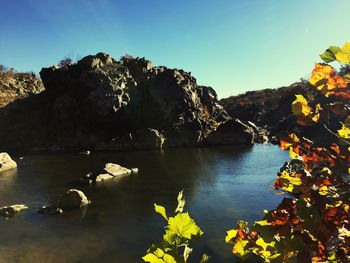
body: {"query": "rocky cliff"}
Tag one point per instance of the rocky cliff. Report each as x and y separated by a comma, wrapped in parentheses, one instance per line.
(15, 85)
(107, 104)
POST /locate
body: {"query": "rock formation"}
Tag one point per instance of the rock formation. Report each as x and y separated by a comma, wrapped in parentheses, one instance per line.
(104, 104)
(6, 163)
(9, 211)
(73, 198)
(14, 85)
(110, 171)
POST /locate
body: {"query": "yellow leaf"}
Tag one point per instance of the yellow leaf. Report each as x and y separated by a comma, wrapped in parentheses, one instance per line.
(159, 256)
(169, 237)
(263, 223)
(344, 132)
(343, 55)
(293, 154)
(300, 107)
(239, 247)
(320, 74)
(294, 137)
(290, 183)
(187, 252)
(343, 232)
(180, 202)
(205, 259)
(323, 190)
(160, 210)
(230, 235)
(183, 226)
(286, 175)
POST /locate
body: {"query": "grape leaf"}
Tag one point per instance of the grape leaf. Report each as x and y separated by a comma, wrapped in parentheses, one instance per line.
(157, 255)
(239, 247)
(329, 54)
(160, 210)
(343, 55)
(230, 235)
(183, 226)
(300, 107)
(320, 74)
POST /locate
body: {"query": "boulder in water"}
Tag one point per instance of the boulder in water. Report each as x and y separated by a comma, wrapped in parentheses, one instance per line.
(6, 163)
(110, 171)
(50, 210)
(73, 198)
(8, 211)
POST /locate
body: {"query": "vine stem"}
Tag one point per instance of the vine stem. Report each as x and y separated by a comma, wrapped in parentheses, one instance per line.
(336, 135)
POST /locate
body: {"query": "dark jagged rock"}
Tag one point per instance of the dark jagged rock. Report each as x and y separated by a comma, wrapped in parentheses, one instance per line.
(50, 210)
(141, 139)
(100, 103)
(261, 135)
(73, 198)
(231, 132)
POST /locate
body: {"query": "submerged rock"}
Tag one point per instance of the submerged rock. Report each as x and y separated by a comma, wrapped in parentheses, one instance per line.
(50, 210)
(73, 198)
(85, 153)
(110, 171)
(6, 163)
(8, 211)
(103, 177)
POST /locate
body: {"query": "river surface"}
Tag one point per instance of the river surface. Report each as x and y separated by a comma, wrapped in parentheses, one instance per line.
(221, 186)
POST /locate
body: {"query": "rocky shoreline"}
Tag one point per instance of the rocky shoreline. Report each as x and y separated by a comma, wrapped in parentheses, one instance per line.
(270, 109)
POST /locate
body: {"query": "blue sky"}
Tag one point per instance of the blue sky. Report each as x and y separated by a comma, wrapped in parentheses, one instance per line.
(233, 46)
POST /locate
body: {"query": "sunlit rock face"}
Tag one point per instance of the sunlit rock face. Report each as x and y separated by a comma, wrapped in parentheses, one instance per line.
(15, 85)
(6, 163)
(100, 100)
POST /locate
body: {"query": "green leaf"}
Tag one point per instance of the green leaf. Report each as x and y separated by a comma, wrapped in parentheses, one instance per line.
(329, 55)
(205, 259)
(183, 226)
(157, 255)
(180, 203)
(160, 210)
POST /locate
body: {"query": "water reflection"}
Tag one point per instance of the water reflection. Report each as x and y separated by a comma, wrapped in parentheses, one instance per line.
(221, 185)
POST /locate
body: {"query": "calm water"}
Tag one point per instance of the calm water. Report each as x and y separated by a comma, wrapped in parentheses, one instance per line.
(221, 185)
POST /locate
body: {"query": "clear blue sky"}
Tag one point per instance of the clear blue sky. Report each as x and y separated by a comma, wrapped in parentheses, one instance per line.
(233, 46)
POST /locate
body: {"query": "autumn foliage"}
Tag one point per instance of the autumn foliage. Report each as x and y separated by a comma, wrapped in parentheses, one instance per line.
(314, 225)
